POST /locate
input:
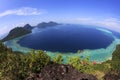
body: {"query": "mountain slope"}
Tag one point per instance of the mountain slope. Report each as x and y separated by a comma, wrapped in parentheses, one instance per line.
(28, 27)
(16, 32)
(20, 31)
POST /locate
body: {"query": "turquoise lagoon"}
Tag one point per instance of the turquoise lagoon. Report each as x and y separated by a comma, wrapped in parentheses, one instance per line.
(98, 55)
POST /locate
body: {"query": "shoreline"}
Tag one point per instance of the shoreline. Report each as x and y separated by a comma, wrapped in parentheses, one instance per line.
(97, 55)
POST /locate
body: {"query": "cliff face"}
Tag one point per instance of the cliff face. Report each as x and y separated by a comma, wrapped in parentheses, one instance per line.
(16, 32)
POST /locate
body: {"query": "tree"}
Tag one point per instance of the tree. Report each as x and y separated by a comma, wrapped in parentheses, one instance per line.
(58, 59)
(75, 62)
(38, 61)
(81, 65)
(17, 66)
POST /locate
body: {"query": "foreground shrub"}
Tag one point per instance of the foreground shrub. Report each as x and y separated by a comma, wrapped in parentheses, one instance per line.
(17, 66)
(38, 60)
(58, 59)
(84, 66)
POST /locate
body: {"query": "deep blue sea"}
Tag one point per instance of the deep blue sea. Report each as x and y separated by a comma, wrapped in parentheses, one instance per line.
(66, 38)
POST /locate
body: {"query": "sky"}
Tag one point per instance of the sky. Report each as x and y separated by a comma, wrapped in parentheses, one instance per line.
(104, 13)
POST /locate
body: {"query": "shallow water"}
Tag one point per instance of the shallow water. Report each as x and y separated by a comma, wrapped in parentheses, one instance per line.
(98, 55)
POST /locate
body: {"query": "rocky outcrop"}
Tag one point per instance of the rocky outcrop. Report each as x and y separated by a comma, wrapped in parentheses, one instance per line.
(112, 76)
(60, 72)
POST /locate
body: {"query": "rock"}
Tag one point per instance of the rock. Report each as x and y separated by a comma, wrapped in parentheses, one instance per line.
(112, 76)
(61, 72)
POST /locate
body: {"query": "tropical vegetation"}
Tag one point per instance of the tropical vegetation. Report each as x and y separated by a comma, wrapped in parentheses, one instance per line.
(18, 66)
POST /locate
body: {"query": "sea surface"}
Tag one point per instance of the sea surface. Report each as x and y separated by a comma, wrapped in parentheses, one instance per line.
(67, 38)
(96, 42)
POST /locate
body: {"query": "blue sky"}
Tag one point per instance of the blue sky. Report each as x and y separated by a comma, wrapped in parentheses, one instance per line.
(103, 13)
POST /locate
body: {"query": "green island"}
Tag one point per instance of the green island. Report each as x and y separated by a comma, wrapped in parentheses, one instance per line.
(27, 29)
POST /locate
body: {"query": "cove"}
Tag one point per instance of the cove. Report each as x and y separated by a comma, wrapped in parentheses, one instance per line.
(67, 38)
(99, 55)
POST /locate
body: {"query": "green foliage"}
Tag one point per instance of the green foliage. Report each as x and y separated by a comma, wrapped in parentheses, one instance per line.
(10, 66)
(17, 66)
(38, 60)
(115, 65)
(58, 59)
(104, 67)
(115, 62)
(75, 62)
(16, 32)
(81, 65)
(2, 47)
(111, 67)
(116, 54)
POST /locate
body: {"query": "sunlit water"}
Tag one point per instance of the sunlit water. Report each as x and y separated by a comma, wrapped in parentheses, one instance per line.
(96, 42)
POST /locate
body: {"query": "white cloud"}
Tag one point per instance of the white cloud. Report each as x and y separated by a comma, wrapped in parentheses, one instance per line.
(3, 31)
(22, 11)
(110, 23)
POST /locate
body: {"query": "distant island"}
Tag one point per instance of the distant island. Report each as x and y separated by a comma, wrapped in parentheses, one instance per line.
(20, 31)
(28, 27)
(49, 24)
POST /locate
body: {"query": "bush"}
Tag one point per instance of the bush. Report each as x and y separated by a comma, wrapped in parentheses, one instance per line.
(83, 66)
(17, 66)
(38, 60)
(58, 59)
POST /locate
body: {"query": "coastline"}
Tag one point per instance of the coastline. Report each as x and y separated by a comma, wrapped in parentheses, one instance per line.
(15, 46)
(97, 55)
